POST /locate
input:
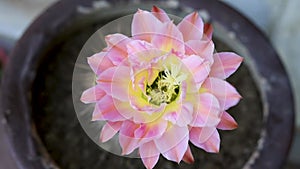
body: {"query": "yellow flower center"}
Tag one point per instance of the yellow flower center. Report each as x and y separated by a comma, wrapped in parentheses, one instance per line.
(166, 86)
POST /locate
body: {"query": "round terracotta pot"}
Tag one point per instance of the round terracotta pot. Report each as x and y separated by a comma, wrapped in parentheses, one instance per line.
(36, 99)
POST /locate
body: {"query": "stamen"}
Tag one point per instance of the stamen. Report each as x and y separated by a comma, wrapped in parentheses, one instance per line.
(166, 86)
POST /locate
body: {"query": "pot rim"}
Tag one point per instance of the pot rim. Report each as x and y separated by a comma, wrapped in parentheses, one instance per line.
(272, 150)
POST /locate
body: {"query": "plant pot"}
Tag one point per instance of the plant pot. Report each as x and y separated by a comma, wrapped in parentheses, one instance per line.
(41, 124)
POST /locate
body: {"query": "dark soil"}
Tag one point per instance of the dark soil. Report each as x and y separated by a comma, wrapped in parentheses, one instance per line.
(69, 146)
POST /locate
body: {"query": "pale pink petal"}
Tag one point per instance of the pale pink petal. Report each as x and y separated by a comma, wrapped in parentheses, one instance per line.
(202, 48)
(149, 154)
(168, 38)
(124, 109)
(184, 90)
(191, 27)
(225, 63)
(173, 143)
(160, 14)
(208, 31)
(115, 81)
(151, 130)
(141, 104)
(172, 117)
(121, 83)
(212, 144)
(188, 156)
(106, 110)
(185, 114)
(227, 122)
(118, 41)
(136, 46)
(146, 117)
(144, 25)
(176, 153)
(126, 137)
(97, 114)
(99, 62)
(109, 130)
(199, 135)
(92, 94)
(117, 50)
(208, 111)
(182, 113)
(225, 92)
(198, 68)
(142, 53)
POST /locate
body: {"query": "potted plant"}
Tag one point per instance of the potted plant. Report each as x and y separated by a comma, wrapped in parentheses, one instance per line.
(37, 107)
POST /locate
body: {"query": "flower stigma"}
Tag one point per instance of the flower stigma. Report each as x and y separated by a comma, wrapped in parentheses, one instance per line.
(166, 86)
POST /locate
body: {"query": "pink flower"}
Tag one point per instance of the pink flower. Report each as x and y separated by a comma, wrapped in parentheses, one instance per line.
(163, 87)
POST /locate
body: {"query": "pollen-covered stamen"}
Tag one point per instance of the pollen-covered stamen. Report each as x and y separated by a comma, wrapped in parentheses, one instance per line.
(166, 86)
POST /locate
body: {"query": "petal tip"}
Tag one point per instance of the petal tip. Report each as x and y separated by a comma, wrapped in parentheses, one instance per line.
(188, 156)
(227, 122)
(208, 31)
(235, 125)
(139, 10)
(83, 98)
(238, 95)
(194, 15)
(101, 139)
(155, 8)
(215, 150)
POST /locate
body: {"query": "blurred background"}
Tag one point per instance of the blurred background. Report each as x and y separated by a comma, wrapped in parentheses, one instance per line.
(278, 19)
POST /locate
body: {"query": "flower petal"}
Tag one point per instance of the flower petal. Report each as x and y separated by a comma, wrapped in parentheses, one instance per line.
(106, 110)
(133, 135)
(191, 27)
(117, 50)
(149, 154)
(109, 130)
(141, 104)
(227, 122)
(142, 53)
(198, 68)
(172, 117)
(118, 41)
(144, 25)
(99, 62)
(185, 115)
(208, 31)
(173, 143)
(208, 113)
(199, 135)
(151, 131)
(188, 156)
(136, 46)
(225, 92)
(126, 137)
(212, 144)
(136, 116)
(92, 94)
(181, 111)
(124, 108)
(202, 48)
(168, 38)
(225, 63)
(115, 81)
(160, 14)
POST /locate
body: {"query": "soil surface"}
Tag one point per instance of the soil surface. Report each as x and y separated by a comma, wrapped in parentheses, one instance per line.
(69, 146)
